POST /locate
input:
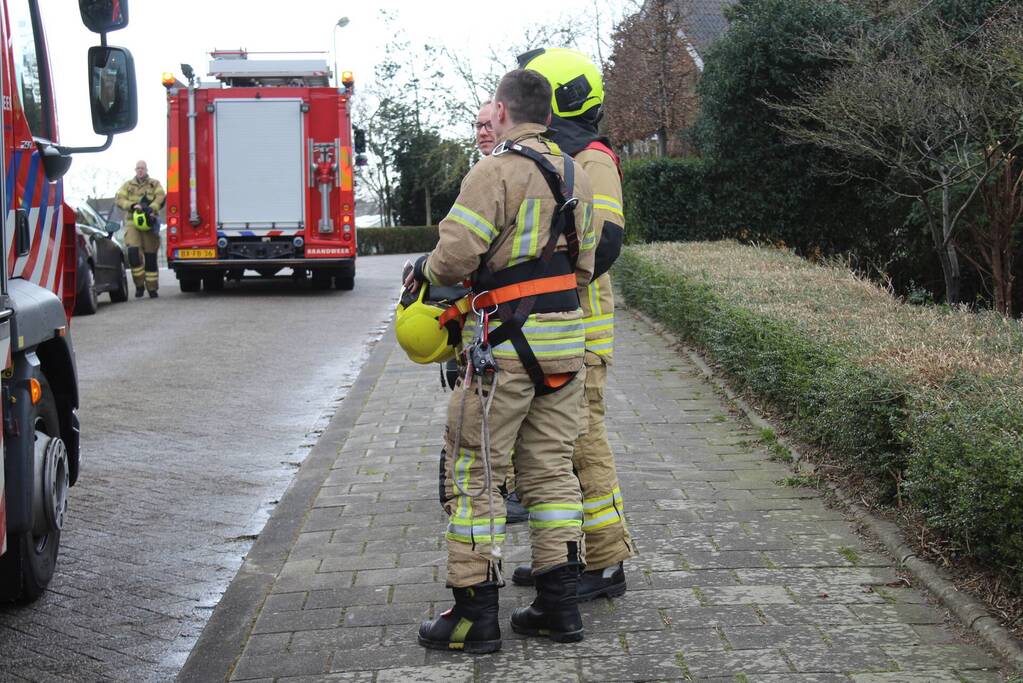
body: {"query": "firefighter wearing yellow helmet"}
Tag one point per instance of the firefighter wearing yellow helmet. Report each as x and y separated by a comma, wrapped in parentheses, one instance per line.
(140, 199)
(577, 102)
(520, 233)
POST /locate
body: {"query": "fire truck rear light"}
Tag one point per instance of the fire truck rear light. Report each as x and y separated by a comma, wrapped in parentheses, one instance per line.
(222, 243)
(173, 230)
(35, 390)
(347, 208)
(298, 242)
(173, 221)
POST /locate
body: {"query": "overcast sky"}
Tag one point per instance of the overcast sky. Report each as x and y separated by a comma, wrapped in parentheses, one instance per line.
(162, 35)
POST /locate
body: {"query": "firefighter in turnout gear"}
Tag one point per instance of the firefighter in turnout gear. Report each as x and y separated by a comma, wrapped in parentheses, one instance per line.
(578, 94)
(520, 231)
(144, 195)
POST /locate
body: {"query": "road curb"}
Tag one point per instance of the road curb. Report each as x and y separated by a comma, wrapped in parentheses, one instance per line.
(970, 611)
(223, 639)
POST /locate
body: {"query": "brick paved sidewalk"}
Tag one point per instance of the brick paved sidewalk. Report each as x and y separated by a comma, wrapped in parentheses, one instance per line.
(740, 578)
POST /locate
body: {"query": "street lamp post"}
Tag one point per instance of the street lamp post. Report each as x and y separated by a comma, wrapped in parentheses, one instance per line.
(341, 23)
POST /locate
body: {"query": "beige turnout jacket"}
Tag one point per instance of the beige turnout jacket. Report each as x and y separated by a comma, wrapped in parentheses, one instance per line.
(503, 216)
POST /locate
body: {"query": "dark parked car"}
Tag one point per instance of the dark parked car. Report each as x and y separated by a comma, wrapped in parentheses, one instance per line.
(102, 260)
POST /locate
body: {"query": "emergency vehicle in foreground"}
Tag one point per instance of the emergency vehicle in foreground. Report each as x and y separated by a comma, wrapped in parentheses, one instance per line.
(39, 388)
(259, 172)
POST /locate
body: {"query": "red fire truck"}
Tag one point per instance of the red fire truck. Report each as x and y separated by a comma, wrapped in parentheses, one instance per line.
(39, 388)
(259, 172)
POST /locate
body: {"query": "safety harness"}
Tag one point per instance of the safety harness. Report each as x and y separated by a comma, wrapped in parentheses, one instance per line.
(543, 285)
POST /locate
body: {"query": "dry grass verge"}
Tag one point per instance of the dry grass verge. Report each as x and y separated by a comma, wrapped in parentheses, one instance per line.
(927, 403)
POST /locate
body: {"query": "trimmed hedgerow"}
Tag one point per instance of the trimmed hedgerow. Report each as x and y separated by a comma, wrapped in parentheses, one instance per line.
(401, 240)
(927, 402)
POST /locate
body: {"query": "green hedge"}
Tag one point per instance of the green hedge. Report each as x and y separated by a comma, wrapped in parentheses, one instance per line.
(402, 240)
(954, 445)
(671, 200)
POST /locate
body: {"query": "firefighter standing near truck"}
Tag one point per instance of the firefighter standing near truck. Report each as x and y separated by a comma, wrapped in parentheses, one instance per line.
(578, 95)
(520, 231)
(140, 199)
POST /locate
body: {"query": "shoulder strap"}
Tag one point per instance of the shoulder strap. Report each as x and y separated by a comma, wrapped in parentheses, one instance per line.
(561, 187)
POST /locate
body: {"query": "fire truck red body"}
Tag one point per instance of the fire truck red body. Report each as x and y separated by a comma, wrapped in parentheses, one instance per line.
(259, 173)
(39, 460)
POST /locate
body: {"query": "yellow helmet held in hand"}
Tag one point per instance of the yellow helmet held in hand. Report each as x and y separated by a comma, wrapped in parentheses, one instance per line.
(419, 332)
(141, 220)
(575, 80)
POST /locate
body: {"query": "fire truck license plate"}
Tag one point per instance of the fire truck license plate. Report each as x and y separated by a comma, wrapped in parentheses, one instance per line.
(197, 253)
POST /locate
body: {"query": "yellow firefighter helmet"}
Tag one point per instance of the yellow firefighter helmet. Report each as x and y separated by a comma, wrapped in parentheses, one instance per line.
(418, 329)
(141, 220)
(575, 80)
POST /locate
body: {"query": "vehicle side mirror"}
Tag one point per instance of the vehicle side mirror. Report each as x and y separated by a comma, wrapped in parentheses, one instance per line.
(360, 141)
(103, 16)
(113, 227)
(112, 90)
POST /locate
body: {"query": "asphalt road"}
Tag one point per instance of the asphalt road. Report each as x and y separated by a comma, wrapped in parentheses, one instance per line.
(197, 409)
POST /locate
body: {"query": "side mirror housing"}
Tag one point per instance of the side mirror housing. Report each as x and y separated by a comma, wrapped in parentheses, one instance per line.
(360, 141)
(55, 162)
(103, 16)
(112, 90)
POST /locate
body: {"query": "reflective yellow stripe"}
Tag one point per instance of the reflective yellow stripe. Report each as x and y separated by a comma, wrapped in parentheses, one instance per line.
(554, 515)
(549, 339)
(594, 294)
(475, 222)
(588, 237)
(608, 203)
(527, 233)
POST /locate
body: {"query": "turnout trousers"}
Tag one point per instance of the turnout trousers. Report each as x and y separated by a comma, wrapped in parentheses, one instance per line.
(542, 431)
(142, 248)
(607, 538)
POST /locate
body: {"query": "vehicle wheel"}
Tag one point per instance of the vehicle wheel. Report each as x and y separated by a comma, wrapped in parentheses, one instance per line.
(344, 282)
(213, 283)
(27, 566)
(87, 301)
(120, 294)
(190, 284)
(321, 279)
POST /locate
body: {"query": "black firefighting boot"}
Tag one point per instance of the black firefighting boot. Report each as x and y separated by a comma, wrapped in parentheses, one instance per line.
(602, 583)
(470, 626)
(153, 294)
(555, 611)
(140, 292)
(523, 575)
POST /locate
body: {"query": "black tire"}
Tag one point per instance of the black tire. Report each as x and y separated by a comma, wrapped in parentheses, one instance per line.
(213, 282)
(344, 282)
(190, 284)
(120, 295)
(27, 566)
(87, 300)
(321, 279)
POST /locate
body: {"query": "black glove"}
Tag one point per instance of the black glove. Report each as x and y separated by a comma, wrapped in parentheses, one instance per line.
(417, 269)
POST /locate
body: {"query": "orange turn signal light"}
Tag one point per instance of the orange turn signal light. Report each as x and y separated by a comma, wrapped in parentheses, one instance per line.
(168, 79)
(35, 390)
(348, 78)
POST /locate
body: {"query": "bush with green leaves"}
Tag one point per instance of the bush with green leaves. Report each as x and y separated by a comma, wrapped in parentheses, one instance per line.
(926, 402)
(400, 240)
